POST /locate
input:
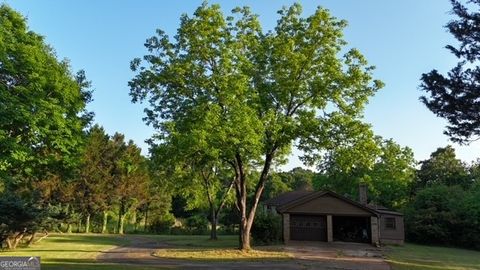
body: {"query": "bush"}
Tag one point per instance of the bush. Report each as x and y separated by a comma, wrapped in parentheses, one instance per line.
(267, 228)
(163, 224)
(176, 230)
(197, 224)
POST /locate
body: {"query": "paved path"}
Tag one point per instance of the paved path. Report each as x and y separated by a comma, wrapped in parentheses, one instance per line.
(337, 256)
(345, 256)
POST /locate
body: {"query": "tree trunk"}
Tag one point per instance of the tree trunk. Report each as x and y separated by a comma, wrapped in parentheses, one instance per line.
(69, 211)
(87, 223)
(79, 225)
(146, 219)
(13, 241)
(241, 191)
(211, 201)
(105, 221)
(121, 217)
(246, 221)
(213, 231)
(245, 237)
(134, 219)
(32, 239)
(121, 221)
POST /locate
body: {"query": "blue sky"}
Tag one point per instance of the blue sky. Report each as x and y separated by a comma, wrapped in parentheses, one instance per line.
(402, 38)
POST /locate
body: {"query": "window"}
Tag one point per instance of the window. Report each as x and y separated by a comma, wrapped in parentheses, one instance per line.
(390, 223)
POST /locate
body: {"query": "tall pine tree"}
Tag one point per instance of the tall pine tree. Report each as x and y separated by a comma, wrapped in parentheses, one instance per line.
(456, 96)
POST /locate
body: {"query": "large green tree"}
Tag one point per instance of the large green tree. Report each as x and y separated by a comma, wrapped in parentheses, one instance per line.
(388, 170)
(443, 168)
(92, 188)
(253, 93)
(456, 95)
(42, 110)
(42, 113)
(130, 178)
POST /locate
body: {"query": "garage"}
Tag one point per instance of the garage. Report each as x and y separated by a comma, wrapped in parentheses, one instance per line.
(327, 216)
(351, 229)
(308, 228)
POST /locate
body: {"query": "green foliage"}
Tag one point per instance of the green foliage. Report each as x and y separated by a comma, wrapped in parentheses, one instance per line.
(455, 97)
(42, 117)
(16, 216)
(443, 168)
(275, 186)
(280, 182)
(197, 224)
(230, 219)
(445, 208)
(228, 91)
(445, 215)
(93, 190)
(389, 172)
(267, 228)
(130, 177)
(43, 104)
(162, 224)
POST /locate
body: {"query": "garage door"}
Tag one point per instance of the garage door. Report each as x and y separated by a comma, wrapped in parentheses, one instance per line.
(308, 228)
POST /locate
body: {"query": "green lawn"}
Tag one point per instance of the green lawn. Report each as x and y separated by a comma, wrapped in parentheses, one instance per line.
(78, 251)
(199, 241)
(73, 251)
(419, 257)
(199, 248)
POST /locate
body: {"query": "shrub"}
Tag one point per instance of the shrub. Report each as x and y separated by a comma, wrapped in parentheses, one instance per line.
(267, 228)
(177, 230)
(197, 224)
(162, 224)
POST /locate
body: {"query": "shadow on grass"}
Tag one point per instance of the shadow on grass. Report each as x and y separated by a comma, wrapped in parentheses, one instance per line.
(84, 264)
(100, 239)
(51, 250)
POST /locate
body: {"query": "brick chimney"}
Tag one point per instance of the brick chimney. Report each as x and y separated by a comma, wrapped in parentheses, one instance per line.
(362, 193)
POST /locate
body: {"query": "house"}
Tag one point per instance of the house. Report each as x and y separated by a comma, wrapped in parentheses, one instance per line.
(328, 216)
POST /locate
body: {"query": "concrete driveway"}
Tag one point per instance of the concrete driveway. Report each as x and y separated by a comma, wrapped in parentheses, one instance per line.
(337, 255)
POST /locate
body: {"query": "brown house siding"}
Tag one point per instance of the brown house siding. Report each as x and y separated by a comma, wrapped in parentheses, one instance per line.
(329, 205)
(392, 236)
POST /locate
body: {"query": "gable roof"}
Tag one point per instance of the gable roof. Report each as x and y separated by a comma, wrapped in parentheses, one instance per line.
(291, 199)
(314, 195)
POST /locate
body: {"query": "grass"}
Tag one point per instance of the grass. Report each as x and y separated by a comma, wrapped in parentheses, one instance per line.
(79, 251)
(73, 251)
(222, 255)
(200, 248)
(419, 257)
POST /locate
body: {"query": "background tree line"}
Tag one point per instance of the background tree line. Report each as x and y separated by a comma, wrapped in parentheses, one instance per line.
(57, 172)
